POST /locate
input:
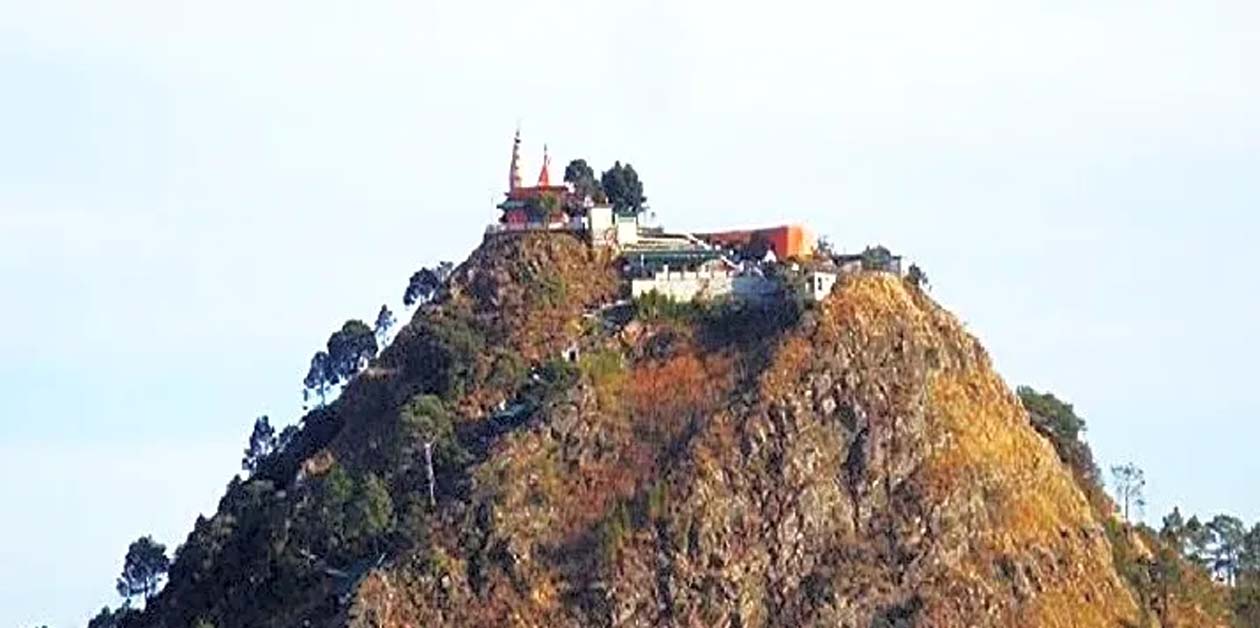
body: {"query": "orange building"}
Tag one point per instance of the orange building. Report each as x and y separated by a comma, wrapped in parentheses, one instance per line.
(787, 241)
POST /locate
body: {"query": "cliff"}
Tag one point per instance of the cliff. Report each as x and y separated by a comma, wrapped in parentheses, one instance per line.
(854, 463)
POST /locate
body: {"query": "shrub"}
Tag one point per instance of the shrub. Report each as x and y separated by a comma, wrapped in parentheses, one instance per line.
(555, 376)
(612, 532)
(426, 419)
(349, 515)
(656, 307)
(602, 366)
(1057, 421)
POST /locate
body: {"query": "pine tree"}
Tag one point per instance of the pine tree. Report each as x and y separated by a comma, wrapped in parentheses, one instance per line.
(143, 568)
(262, 442)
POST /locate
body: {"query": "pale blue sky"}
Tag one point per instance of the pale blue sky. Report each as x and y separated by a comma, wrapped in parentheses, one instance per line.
(192, 195)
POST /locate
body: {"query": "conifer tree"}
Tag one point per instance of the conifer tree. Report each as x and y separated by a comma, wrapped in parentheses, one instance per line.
(624, 190)
(1130, 483)
(143, 568)
(384, 323)
(262, 442)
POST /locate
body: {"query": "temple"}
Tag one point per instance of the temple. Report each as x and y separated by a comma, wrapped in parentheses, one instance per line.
(539, 204)
(745, 264)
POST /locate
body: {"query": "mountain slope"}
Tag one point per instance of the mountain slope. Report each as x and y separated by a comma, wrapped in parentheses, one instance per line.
(854, 463)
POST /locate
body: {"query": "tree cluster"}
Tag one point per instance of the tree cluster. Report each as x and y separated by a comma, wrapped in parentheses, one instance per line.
(619, 186)
(1058, 422)
(348, 350)
(264, 443)
(143, 568)
(624, 190)
(1195, 568)
(425, 283)
(582, 177)
(1223, 544)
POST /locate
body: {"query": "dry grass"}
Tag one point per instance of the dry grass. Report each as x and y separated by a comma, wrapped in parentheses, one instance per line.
(1032, 505)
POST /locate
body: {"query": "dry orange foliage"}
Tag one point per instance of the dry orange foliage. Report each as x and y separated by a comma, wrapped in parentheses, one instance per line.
(982, 441)
(682, 385)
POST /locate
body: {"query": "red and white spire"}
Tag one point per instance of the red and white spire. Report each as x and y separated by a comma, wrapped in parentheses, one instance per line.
(544, 177)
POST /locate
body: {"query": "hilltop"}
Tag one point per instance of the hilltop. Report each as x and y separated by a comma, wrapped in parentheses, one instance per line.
(602, 461)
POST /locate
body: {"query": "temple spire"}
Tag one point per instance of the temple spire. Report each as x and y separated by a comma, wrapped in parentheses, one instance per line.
(514, 174)
(544, 177)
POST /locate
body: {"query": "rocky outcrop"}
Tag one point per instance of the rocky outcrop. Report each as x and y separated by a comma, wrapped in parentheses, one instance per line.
(873, 471)
(853, 463)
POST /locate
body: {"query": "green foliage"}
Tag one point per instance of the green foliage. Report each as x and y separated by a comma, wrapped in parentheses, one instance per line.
(550, 381)
(1245, 603)
(426, 419)
(582, 177)
(107, 618)
(506, 372)
(1130, 483)
(384, 323)
(1057, 421)
(413, 520)
(612, 530)
(551, 289)
(656, 307)
(1125, 555)
(143, 568)
(878, 257)
(601, 366)
(542, 286)
(549, 204)
(457, 342)
(1228, 535)
(1166, 573)
(624, 190)
(319, 378)
(424, 284)
(917, 277)
(262, 442)
(371, 511)
(1050, 415)
(350, 348)
(254, 532)
(1249, 558)
(351, 515)
(1196, 538)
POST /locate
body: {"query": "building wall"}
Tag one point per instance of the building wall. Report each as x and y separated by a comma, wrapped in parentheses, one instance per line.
(819, 284)
(627, 229)
(600, 221)
(692, 286)
(787, 241)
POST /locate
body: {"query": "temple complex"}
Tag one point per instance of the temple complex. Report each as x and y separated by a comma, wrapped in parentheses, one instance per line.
(679, 266)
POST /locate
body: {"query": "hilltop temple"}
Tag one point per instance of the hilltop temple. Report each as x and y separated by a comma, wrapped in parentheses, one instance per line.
(679, 266)
(540, 203)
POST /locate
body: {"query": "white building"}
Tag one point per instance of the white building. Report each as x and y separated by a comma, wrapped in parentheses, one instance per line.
(818, 285)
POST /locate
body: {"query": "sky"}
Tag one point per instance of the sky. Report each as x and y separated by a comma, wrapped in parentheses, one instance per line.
(194, 195)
